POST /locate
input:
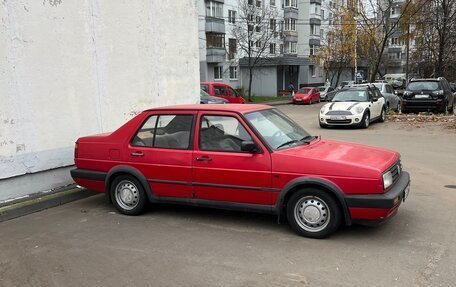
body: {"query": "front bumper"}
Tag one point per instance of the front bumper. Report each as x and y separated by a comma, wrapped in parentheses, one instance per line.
(301, 100)
(376, 208)
(341, 120)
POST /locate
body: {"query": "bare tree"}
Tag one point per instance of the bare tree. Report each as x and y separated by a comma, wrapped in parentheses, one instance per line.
(255, 28)
(374, 20)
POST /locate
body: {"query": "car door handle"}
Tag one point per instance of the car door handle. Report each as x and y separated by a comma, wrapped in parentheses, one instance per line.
(203, 158)
(137, 153)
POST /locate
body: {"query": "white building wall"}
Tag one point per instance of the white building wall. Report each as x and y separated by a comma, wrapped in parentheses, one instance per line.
(73, 68)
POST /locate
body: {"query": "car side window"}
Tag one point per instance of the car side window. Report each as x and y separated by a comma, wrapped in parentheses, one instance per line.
(220, 90)
(165, 131)
(372, 95)
(233, 93)
(222, 133)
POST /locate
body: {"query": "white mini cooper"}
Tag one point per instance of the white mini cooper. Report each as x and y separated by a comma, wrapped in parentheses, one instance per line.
(354, 106)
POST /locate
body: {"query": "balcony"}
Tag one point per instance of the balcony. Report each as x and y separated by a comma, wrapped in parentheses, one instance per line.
(290, 12)
(215, 25)
(215, 55)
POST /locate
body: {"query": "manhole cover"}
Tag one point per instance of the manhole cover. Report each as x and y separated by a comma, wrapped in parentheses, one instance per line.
(450, 186)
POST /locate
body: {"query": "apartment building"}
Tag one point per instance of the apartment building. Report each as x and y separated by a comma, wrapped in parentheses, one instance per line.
(286, 59)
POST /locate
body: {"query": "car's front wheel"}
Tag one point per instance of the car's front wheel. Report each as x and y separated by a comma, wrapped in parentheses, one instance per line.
(128, 195)
(365, 121)
(313, 213)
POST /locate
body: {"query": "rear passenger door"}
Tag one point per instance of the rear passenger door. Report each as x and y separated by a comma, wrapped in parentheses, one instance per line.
(162, 151)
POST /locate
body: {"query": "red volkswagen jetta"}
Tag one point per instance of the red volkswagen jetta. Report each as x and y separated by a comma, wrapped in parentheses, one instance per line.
(242, 157)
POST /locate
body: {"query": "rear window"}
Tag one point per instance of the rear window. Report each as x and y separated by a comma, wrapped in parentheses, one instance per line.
(427, 86)
(321, 89)
(305, 91)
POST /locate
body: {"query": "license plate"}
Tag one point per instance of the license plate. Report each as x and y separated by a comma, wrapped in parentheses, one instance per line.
(298, 99)
(406, 192)
(421, 96)
(336, 118)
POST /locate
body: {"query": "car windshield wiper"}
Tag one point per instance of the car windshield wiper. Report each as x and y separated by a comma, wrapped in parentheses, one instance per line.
(308, 139)
(287, 143)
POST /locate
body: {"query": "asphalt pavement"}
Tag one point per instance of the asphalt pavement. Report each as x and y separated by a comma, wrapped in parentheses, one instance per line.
(87, 243)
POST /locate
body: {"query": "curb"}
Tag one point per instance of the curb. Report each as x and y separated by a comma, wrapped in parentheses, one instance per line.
(43, 201)
(278, 103)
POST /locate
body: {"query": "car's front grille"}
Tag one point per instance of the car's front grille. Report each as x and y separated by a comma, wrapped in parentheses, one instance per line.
(338, 121)
(396, 170)
(339, 113)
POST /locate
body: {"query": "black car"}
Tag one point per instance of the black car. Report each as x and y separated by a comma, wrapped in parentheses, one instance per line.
(428, 95)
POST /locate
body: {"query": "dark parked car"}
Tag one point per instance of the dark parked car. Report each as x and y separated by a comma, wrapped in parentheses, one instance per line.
(428, 95)
(205, 98)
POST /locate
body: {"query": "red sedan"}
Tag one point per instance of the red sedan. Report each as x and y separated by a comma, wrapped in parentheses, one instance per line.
(241, 157)
(307, 96)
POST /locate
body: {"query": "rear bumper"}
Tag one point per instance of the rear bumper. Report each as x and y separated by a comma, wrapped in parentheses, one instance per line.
(422, 105)
(376, 208)
(90, 179)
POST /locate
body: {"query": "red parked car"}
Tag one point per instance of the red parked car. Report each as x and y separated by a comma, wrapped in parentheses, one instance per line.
(242, 157)
(307, 96)
(222, 90)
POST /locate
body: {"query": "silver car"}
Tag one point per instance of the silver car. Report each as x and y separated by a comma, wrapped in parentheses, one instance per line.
(325, 92)
(392, 100)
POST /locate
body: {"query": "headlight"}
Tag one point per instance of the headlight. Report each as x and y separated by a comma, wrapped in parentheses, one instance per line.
(359, 110)
(387, 179)
(322, 110)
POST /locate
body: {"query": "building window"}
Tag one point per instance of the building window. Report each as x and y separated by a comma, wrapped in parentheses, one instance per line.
(272, 48)
(214, 9)
(272, 3)
(315, 29)
(290, 24)
(258, 3)
(250, 2)
(231, 48)
(218, 71)
(258, 24)
(232, 16)
(258, 44)
(330, 18)
(312, 71)
(395, 41)
(313, 50)
(290, 47)
(233, 72)
(215, 40)
(250, 22)
(291, 3)
(322, 14)
(251, 44)
(281, 48)
(396, 10)
(272, 24)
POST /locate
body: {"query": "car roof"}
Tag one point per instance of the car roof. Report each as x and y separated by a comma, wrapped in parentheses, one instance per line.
(239, 108)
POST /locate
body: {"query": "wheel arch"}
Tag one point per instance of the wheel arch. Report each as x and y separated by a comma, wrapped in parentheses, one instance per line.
(126, 170)
(308, 182)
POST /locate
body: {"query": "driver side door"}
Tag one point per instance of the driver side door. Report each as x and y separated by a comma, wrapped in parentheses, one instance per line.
(221, 170)
(376, 104)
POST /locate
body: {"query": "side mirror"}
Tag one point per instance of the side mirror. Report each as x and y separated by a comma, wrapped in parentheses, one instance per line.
(374, 99)
(249, 146)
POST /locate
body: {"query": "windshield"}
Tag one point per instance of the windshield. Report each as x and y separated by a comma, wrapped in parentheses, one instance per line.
(321, 89)
(204, 88)
(277, 129)
(379, 86)
(350, 96)
(204, 94)
(304, 91)
(428, 86)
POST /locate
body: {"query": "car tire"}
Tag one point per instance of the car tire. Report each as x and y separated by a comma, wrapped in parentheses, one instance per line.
(313, 213)
(451, 110)
(128, 195)
(310, 101)
(365, 121)
(382, 116)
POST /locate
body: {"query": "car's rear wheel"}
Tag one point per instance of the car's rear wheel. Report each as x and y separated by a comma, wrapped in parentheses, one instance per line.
(382, 116)
(365, 121)
(313, 213)
(128, 195)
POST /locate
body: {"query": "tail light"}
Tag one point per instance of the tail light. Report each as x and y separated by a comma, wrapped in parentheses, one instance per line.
(76, 150)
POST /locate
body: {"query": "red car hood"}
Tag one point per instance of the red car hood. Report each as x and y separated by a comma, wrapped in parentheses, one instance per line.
(335, 158)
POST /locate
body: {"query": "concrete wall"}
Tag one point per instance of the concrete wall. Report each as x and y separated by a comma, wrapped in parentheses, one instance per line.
(73, 68)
